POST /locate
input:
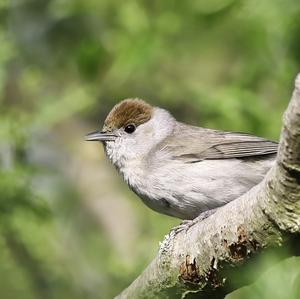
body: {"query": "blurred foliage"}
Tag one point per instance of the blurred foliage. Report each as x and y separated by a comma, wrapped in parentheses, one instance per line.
(226, 64)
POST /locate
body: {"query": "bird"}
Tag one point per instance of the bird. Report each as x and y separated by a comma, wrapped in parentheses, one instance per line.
(178, 169)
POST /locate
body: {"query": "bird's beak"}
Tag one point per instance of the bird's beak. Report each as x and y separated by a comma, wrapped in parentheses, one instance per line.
(100, 136)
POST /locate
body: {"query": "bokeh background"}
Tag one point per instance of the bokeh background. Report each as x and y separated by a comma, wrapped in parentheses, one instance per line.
(69, 227)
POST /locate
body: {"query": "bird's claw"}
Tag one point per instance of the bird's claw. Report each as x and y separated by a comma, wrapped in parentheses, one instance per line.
(185, 225)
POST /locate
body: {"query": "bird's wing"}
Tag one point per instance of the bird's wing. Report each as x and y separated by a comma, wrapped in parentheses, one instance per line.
(193, 144)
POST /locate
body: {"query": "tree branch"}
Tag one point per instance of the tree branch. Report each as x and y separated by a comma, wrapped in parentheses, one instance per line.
(204, 259)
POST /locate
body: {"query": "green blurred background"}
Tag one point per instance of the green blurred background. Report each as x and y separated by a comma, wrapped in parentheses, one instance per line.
(69, 226)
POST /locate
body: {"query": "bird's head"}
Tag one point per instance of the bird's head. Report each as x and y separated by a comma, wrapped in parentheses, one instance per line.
(131, 129)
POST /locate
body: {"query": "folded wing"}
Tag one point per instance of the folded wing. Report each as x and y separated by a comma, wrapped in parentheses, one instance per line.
(194, 144)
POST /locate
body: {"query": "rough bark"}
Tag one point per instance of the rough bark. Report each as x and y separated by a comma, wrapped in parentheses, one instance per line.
(206, 259)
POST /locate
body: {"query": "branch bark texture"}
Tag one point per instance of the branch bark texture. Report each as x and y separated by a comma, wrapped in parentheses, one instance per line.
(204, 259)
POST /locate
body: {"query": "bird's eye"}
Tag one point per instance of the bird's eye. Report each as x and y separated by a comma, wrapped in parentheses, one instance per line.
(129, 129)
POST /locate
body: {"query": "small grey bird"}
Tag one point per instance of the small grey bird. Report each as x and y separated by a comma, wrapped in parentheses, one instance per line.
(178, 169)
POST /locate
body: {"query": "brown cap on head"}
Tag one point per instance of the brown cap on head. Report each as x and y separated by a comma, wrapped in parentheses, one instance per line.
(129, 111)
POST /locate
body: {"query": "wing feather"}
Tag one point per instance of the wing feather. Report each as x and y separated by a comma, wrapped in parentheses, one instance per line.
(194, 144)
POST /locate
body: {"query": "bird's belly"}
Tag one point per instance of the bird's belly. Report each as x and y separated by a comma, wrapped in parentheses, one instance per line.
(189, 203)
(190, 189)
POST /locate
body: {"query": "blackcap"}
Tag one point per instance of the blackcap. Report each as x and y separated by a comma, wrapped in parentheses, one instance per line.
(178, 169)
